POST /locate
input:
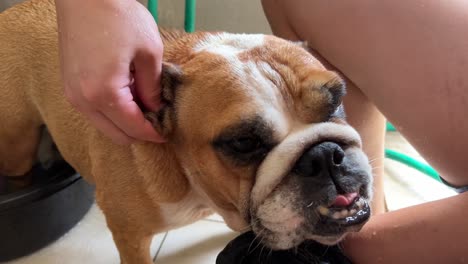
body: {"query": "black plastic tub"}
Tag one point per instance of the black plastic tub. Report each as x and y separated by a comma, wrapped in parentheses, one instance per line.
(36, 216)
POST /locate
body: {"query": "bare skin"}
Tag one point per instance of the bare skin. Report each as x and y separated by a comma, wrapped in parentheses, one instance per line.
(431, 233)
(407, 59)
(111, 55)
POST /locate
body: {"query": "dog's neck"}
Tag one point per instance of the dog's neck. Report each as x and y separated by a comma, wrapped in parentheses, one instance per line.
(158, 165)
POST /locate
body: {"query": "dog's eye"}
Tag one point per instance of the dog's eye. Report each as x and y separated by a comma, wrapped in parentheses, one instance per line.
(243, 150)
(244, 145)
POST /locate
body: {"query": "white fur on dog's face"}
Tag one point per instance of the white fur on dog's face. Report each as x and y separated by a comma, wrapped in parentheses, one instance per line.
(229, 45)
(279, 99)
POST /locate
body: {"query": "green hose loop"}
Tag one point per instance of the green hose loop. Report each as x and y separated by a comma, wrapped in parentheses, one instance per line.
(409, 161)
(413, 163)
(390, 127)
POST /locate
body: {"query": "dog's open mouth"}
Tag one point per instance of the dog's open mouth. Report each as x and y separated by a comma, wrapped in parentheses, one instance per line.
(347, 210)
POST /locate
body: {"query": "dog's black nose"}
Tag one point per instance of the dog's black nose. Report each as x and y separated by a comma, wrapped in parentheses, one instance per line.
(321, 159)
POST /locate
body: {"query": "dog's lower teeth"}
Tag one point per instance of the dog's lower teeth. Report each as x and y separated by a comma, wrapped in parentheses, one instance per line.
(323, 210)
(344, 213)
(336, 215)
(340, 214)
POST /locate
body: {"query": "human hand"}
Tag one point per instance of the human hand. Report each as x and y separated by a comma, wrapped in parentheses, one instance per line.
(111, 57)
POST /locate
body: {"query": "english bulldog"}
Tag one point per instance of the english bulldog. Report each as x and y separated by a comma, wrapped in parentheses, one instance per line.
(255, 132)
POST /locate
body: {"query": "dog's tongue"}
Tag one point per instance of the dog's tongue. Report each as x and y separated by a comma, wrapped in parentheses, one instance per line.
(344, 199)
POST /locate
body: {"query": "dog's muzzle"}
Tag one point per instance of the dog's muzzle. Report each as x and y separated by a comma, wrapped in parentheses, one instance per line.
(325, 161)
(316, 185)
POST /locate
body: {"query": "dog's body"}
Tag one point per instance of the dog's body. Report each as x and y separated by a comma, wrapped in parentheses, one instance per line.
(223, 93)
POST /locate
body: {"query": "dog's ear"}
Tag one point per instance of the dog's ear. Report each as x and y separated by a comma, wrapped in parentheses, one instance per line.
(163, 120)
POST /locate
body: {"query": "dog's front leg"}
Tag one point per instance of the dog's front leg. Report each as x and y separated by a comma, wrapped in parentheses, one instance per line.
(133, 248)
(131, 231)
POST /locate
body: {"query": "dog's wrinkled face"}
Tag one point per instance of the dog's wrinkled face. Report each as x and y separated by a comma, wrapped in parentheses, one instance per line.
(258, 125)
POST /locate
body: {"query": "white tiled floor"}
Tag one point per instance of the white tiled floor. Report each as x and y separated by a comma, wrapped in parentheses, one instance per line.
(199, 243)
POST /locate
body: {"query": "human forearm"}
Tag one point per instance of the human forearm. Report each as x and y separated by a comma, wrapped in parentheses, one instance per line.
(433, 232)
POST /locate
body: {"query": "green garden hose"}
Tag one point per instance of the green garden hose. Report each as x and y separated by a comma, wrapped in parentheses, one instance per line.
(390, 127)
(409, 161)
(413, 163)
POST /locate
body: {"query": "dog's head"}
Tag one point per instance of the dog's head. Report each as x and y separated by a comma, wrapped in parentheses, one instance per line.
(258, 125)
